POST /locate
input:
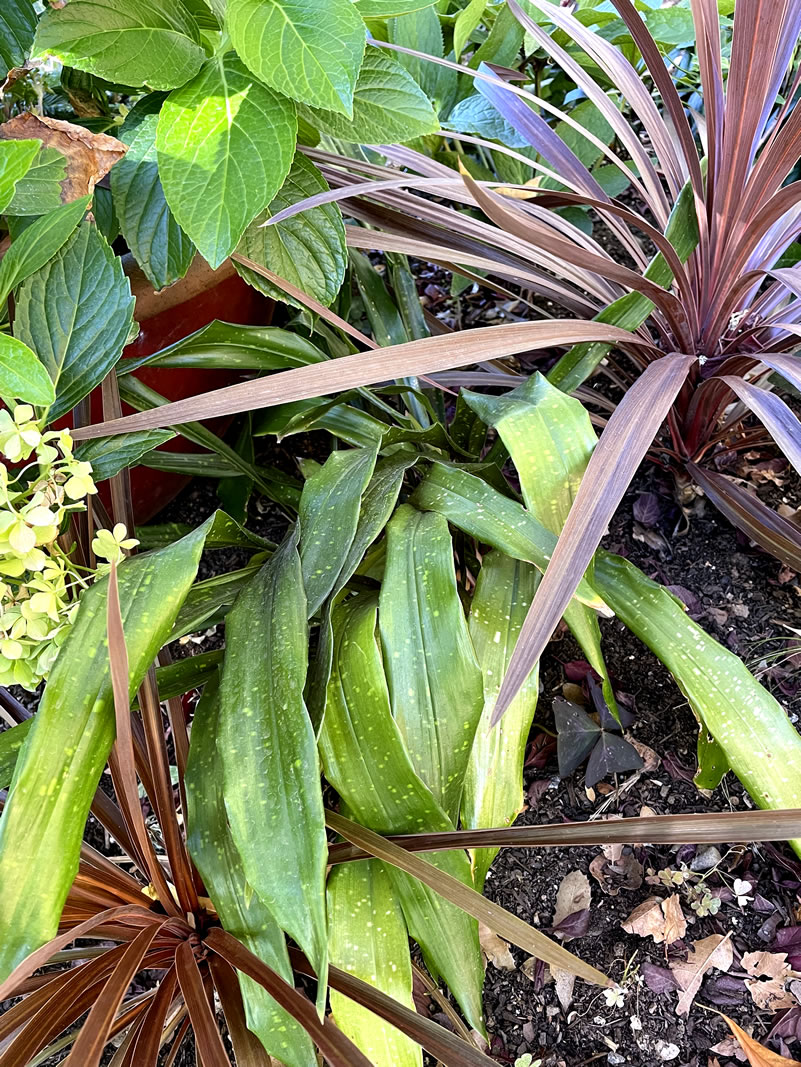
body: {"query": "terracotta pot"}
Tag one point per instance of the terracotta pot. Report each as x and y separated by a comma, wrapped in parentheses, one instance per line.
(164, 318)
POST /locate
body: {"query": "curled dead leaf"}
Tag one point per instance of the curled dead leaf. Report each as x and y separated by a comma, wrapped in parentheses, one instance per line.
(768, 975)
(663, 920)
(675, 923)
(495, 949)
(90, 156)
(758, 1055)
(564, 982)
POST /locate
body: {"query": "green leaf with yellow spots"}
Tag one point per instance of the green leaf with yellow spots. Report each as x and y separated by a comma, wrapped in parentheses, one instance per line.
(269, 754)
(434, 680)
(367, 763)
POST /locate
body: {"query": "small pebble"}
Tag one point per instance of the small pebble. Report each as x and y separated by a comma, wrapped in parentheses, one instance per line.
(705, 859)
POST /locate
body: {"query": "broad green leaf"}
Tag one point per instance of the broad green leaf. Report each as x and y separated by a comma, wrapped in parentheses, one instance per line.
(383, 9)
(228, 346)
(108, 455)
(421, 30)
(329, 514)
(59, 769)
(159, 245)
(271, 772)
(368, 939)
(210, 600)
(465, 22)
(503, 44)
(493, 791)
(134, 42)
(16, 159)
(434, 679)
(39, 191)
(224, 532)
(550, 438)
(22, 375)
(38, 243)
(745, 720)
(377, 504)
(225, 144)
(494, 519)
(308, 51)
(240, 910)
(75, 313)
(17, 27)
(367, 763)
(388, 106)
(307, 249)
(475, 114)
(587, 115)
(11, 741)
(630, 311)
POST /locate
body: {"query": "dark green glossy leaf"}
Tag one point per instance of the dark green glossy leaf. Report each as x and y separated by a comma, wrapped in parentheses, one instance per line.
(59, 769)
(308, 249)
(269, 754)
(209, 601)
(159, 245)
(329, 514)
(17, 27)
(11, 741)
(108, 455)
(240, 910)
(75, 313)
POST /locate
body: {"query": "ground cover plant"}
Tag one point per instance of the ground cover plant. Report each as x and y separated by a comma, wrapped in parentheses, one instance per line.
(290, 809)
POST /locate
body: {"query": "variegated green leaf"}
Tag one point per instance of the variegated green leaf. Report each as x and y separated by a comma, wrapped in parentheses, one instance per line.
(241, 911)
(493, 791)
(368, 939)
(269, 754)
(434, 679)
(367, 763)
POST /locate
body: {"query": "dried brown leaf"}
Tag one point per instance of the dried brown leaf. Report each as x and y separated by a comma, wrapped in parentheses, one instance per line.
(647, 920)
(769, 972)
(90, 156)
(709, 952)
(564, 983)
(495, 949)
(758, 1055)
(574, 895)
(675, 923)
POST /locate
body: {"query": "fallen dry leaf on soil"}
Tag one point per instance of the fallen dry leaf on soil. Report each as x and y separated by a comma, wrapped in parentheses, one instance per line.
(574, 895)
(90, 156)
(663, 920)
(709, 952)
(729, 1046)
(564, 982)
(617, 868)
(758, 1055)
(768, 974)
(495, 949)
(675, 923)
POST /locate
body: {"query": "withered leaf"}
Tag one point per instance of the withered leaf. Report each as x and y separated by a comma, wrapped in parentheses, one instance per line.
(572, 897)
(90, 156)
(675, 923)
(768, 974)
(495, 949)
(758, 1055)
(709, 952)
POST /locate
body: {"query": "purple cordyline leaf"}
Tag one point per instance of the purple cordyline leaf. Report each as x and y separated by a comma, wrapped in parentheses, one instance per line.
(630, 84)
(539, 134)
(746, 511)
(788, 366)
(627, 437)
(707, 33)
(777, 418)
